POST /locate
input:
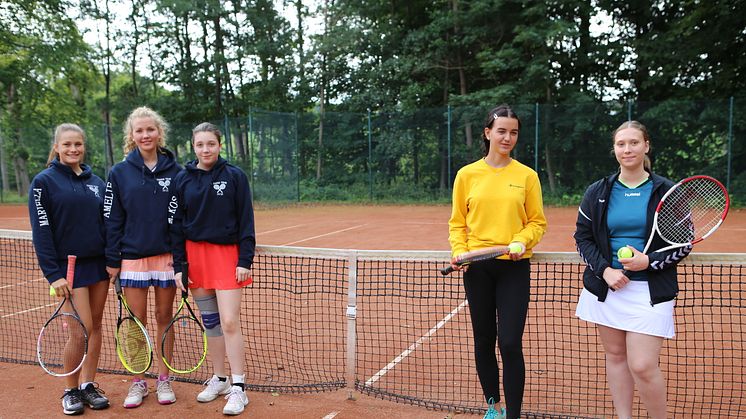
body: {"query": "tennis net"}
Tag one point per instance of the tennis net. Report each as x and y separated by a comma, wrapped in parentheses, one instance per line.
(386, 323)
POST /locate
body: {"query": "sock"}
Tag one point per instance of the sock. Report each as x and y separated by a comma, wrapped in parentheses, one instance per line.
(82, 386)
(163, 377)
(238, 381)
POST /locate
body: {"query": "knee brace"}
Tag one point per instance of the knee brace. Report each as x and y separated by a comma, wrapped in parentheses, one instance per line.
(208, 309)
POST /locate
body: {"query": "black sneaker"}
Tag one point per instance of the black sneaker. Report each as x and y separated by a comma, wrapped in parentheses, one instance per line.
(93, 397)
(72, 404)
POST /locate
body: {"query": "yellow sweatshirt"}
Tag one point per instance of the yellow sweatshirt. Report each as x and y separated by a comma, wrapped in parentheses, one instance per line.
(495, 207)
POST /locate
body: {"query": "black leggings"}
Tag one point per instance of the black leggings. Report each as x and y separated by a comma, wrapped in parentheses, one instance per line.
(498, 293)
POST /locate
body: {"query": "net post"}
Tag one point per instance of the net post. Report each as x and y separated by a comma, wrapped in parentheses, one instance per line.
(351, 314)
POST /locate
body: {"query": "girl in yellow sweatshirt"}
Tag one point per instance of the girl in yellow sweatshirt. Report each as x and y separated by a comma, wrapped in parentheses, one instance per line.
(497, 202)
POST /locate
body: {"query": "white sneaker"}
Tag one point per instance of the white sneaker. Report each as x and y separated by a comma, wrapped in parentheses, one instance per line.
(214, 388)
(237, 400)
(138, 390)
(165, 392)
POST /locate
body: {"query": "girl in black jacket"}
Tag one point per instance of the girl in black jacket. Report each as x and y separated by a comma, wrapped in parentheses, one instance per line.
(212, 227)
(633, 319)
(65, 202)
(137, 239)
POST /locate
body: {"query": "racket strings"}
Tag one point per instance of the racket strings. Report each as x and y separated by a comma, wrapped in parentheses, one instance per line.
(133, 346)
(62, 345)
(692, 211)
(184, 345)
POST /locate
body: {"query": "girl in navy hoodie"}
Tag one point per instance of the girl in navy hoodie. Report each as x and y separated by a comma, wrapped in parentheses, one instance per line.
(137, 240)
(65, 203)
(212, 227)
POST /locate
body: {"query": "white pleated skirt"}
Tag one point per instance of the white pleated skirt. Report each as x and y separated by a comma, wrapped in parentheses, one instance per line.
(628, 309)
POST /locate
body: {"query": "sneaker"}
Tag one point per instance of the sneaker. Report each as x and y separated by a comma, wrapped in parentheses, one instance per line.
(237, 400)
(165, 393)
(93, 396)
(214, 388)
(138, 390)
(492, 413)
(72, 403)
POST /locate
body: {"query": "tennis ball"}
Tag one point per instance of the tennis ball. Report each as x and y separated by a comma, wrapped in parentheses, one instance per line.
(515, 248)
(624, 252)
(52, 292)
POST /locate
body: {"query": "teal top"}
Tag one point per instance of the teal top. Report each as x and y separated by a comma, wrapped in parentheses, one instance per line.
(626, 219)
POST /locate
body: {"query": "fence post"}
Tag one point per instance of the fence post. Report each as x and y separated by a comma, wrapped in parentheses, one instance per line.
(297, 159)
(370, 160)
(629, 110)
(449, 146)
(730, 142)
(536, 137)
(250, 153)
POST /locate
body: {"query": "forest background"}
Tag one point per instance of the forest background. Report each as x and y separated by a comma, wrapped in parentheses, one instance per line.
(359, 100)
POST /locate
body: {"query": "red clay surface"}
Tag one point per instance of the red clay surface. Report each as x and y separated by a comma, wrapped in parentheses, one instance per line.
(405, 227)
(28, 392)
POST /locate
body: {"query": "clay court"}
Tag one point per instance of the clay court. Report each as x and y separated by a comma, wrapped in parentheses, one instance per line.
(316, 226)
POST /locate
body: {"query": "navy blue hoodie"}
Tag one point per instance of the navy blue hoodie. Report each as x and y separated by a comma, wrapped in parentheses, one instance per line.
(135, 207)
(212, 206)
(65, 211)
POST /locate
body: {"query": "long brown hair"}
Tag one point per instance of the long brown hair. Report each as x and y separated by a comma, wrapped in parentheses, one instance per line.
(144, 112)
(58, 131)
(646, 164)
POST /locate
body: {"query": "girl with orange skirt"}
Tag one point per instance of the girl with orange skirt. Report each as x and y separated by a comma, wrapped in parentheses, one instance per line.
(212, 228)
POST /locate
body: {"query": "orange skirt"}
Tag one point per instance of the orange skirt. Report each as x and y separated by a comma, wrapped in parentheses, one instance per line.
(213, 266)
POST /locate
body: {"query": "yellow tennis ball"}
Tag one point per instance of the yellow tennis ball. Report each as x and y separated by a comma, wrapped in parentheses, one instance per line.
(52, 292)
(515, 248)
(624, 252)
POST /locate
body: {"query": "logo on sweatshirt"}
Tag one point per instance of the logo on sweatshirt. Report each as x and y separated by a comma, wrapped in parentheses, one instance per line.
(94, 189)
(219, 186)
(165, 182)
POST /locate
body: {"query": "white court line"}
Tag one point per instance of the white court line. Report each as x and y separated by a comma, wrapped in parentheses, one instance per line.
(419, 223)
(331, 415)
(415, 345)
(279, 229)
(324, 235)
(26, 311)
(20, 283)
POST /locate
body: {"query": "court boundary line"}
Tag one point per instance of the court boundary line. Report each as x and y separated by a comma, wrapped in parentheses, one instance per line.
(279, 229)
(18, 313)
(416, 344)
(324, 235)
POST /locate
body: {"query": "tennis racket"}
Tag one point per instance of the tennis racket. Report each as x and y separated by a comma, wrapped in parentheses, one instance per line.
(62, 345)
(689, 212)
(475, 256)
(184, 343)
(133, 344)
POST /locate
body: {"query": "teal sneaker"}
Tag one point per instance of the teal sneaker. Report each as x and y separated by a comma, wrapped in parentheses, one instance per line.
(492, 413)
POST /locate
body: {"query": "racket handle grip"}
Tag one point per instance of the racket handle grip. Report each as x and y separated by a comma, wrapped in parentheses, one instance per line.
(446, 271)
(70, 270)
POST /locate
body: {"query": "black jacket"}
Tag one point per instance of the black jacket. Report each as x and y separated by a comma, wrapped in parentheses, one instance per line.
(65, 210)
(592, 240)
(212, 206)
(136, 207)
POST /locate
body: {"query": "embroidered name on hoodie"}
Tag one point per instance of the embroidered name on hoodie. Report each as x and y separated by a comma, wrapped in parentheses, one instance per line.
(43, 220)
